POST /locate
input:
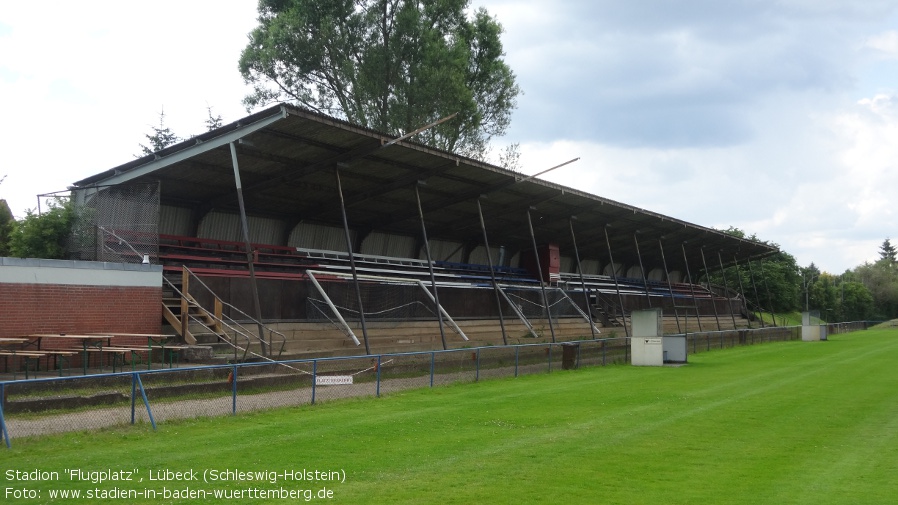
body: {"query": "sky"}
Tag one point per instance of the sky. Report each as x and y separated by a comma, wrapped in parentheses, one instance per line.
(778, 117)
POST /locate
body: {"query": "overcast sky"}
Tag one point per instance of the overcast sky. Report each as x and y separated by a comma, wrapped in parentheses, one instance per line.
(779, 117)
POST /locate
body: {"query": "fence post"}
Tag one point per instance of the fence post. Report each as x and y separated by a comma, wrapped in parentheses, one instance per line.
(516, 353)
(549, 364)
(432, 359)
(314, 378)
(477, 372)
(2, 417)
(146, 402)
(133, 394)
(378, 375)
(234, 390)
(603, 352)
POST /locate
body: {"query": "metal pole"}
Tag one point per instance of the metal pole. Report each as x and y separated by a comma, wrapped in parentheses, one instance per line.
(698, 318)
(673, 299)
(645, 281)
(708, 275)
(539, 269)
(489, 258)
(754, 287)
(433, 280)
(582, 280)
(769, 300)
(620, 299)
(742, 290)
(355, 277)
(266, 346)
(726, 287)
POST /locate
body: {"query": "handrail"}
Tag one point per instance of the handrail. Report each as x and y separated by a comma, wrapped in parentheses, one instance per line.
(218, 320)
(260, 338)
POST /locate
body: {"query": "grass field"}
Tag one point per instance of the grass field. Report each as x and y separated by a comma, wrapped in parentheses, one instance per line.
(794, 422)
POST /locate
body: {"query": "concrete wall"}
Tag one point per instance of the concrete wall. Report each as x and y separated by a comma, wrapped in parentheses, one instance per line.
(54, 296)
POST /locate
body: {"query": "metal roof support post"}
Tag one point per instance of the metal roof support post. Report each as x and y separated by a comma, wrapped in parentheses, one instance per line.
(582, 280)
(698, 318)
(708, 275)
(742, 290)
(433, 280)
(266, 346)
(769, 300)
(489, 258)
(355, 276)
(539, 269)
(673, 299)
(754, 287)
(620, 298)
(726, 287)
(645, 281)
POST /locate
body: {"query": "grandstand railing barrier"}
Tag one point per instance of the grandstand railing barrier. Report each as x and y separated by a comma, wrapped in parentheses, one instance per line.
(50, 405)
(223, 320)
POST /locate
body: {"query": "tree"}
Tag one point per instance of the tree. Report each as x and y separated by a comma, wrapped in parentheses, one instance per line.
(390, 65)
(161, 137)
(777, 278)
(7, 222)
(887, 252)
(43, 235)
(212, 122)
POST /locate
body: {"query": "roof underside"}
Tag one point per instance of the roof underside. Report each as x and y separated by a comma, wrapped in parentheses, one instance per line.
(288, 158)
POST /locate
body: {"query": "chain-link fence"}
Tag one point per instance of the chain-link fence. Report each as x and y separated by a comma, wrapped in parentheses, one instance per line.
(116, 223)
(60, 404)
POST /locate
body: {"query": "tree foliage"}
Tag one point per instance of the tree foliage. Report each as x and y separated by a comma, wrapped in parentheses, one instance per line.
(390, 65)
(43, 235)
(161, 137)
(7, 222)
(887, 252)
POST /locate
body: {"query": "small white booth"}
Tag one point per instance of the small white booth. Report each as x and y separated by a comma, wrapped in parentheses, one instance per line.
(648, 345)
(812, 327)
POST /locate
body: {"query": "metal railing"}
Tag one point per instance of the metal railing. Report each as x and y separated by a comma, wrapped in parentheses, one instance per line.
(59, 404)
(224, 323)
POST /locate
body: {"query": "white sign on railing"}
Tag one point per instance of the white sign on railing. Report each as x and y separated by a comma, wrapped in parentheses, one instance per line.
(332, 380)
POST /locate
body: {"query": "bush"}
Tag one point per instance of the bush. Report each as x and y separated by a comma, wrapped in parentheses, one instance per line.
(43, 235)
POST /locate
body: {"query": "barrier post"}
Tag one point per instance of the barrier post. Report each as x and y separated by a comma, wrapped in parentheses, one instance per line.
(314, 378)
(2, 417)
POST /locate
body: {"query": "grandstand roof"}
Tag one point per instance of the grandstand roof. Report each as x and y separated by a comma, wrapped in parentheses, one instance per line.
(287, 157)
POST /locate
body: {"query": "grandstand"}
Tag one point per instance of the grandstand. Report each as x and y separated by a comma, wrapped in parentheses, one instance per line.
(289, 233)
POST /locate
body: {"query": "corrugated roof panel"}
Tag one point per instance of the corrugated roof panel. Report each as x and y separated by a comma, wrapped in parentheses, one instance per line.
(317, 236)
(386, 244)
(226, 226)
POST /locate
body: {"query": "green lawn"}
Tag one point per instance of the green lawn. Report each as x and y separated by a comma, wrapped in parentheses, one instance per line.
(794, 422)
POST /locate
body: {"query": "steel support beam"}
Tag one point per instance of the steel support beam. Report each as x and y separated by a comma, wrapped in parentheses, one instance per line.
(433, 280)
(266, 346)
(355, 275)
(726, 287)
(708, 276)
(539, 269)
(742, 291)
(489, 258)
(698, 317)
(754, 286)
(673, 299)
(645, 281)
(582, 280)
(620, 298)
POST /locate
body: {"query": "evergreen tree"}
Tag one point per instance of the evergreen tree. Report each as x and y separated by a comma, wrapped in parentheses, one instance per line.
(161, 137)
(887, 252)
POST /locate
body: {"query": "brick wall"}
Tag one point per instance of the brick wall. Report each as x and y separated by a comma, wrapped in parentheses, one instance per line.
(55, 308)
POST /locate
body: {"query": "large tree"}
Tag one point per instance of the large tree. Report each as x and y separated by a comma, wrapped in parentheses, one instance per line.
(391, 65)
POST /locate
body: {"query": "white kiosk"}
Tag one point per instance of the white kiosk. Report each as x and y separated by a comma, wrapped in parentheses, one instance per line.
(648, 345)
(812, 329)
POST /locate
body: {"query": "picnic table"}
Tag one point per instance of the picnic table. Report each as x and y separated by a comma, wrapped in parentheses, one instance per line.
(158, 339)
(94, 341)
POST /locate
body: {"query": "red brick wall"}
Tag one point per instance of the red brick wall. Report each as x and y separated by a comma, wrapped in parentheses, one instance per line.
(54, 308)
